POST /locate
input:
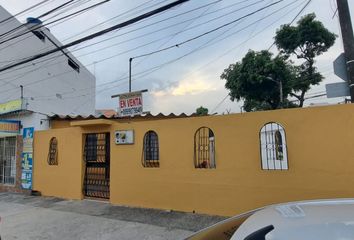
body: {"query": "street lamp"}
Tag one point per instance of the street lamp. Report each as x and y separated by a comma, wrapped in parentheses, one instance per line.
(280, 83)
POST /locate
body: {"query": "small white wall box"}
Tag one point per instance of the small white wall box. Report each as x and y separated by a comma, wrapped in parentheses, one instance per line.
(124, 137)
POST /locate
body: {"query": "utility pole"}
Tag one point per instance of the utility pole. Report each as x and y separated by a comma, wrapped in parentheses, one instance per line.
(348, 42)
(22, 103)
(130, 74)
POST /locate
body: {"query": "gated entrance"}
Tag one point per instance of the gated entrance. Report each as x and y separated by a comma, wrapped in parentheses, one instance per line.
(97, 158)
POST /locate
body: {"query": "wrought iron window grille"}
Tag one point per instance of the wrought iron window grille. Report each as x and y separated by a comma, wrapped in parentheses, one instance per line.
(204, 148)
(151, 150)
(273, 147)
(53, 152)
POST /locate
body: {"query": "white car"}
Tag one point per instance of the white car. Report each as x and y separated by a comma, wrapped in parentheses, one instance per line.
(307, 220)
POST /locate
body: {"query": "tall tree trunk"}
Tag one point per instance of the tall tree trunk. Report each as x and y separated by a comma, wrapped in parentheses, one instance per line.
(302, 98)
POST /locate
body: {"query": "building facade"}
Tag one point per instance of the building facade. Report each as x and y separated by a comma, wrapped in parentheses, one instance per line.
(221, 165)
(56, 84)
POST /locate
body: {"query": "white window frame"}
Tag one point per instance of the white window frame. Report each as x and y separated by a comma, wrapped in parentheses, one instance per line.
(270, 157)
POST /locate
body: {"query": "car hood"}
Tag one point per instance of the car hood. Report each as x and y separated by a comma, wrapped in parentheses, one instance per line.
(325, 220)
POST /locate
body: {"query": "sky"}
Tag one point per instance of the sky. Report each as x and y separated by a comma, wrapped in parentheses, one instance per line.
(183, 77)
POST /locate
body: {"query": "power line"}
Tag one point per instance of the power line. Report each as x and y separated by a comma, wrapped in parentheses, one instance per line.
(202, 46)
(42, 15)
(251, 37)
(143, 35)
(208, 32)
(158, 30)
(292, 21)
(21, 75)
(167, 27)
(94, 35)
(60, 22)
(300, 12)
(115, 17)
(32, 29)
(54, 21)
(242, 43)
(218, 105)
(179, 32)
(76, 14)
(160, 66)
(23, 11)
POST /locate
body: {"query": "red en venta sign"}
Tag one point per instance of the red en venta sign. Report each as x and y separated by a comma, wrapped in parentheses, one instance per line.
(130, 104)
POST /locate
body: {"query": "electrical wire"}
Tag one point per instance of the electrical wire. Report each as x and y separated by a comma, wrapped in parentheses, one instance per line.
(97, 34)
(30, 65)
(155, 68)
(20, 34)
(170, 26)
(42, 15)
(208, 32)
(294, 19)
(13, 17)
(114, 17)
(138, 29)
(199, 48)
(54, 21)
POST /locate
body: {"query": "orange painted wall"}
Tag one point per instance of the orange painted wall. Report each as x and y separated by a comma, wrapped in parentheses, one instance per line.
(320, 153)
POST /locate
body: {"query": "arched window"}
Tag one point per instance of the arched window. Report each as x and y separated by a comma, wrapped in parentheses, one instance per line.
(273, 147)
(204, 148)
(151, 150)
(53, 152)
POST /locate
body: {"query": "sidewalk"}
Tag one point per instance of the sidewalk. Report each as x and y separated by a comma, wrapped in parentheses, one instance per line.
(30, 217)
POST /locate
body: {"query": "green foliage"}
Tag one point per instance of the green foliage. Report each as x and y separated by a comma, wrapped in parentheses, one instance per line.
(256, 80)
(306, 41)
(202, 111)
(258, 77)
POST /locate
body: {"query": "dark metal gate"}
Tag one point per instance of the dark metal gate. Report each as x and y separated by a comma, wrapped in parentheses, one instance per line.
(97, 158)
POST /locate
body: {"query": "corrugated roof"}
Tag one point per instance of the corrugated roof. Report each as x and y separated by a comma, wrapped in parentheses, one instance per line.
(102, 116)
(106, 112)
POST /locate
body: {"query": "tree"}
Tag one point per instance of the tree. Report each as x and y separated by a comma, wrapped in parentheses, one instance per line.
(261, 80)
(306, 41)
(202, 111)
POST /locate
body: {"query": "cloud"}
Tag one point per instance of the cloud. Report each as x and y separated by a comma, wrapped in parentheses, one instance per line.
(196, 84)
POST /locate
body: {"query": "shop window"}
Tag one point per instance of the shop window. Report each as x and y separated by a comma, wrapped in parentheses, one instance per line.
(273, 147)
(8, 160)
(204, 148)
(151, 150)
(53, 152)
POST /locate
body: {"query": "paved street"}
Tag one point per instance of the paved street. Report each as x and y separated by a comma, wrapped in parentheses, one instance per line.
(30, 217)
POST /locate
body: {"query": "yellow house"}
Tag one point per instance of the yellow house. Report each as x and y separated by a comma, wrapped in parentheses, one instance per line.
(221, 165)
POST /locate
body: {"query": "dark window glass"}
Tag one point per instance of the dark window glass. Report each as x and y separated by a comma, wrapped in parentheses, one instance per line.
(151, 150)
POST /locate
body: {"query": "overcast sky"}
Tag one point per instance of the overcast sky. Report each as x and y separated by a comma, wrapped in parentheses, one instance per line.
(185, 77)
